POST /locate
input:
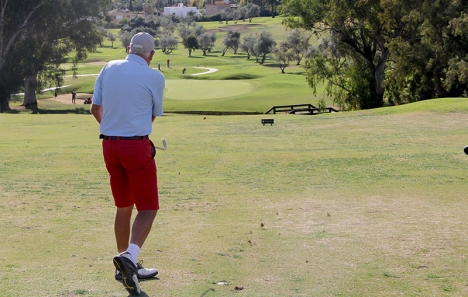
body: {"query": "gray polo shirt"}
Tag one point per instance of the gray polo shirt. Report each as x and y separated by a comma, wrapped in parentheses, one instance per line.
(130, 93)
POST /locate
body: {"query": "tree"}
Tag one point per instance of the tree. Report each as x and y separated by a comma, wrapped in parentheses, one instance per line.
(190, 17)
(431, 58)
(347, 79)
(226, 15)
(197, 30)
(231, 40)
(125, 38)
(248, 11)
(150, 24)
(167, 25)
(242, 13)
(272, 4)
(15, 18)
(457, 73)
(235, 15)
(56, 29)
(283, 55)
(168, 43)
(197, 3)
(103, 32)
(10, 81)
(252, 10)
(298, 45)
(360, 32)
(282, 58)
(111, 38)
(65, 27)
(13, 21)
(248, 45)
(191, 43)
(206, 42)
(264, 44)
(184, 31)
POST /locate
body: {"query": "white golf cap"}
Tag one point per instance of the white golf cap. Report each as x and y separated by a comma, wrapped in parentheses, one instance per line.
(141, 43)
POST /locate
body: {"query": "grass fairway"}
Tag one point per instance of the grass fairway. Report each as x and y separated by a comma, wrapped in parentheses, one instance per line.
(369, 203)
(207, 89)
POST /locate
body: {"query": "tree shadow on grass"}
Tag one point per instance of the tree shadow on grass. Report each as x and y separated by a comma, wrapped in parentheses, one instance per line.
(290, 66)
(142, 294)
(271, 65)
(79, 110)
(237, 56)
(241, 76)
(207, 291)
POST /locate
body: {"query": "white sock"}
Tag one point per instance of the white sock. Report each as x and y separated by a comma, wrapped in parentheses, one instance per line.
(134, 250)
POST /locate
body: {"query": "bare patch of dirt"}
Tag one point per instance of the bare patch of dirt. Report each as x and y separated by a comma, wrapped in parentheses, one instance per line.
(236, 28)
(21, 107)
(62, 98)
(97, 63)
(67, 98)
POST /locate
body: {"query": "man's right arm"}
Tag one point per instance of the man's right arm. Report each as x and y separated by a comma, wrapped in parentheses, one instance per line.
(96, 107)
(97, 110)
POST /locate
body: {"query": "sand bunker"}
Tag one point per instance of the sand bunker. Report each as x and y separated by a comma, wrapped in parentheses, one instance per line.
(67, 98)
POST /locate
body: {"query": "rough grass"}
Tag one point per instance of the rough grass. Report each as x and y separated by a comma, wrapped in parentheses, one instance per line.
(352, 204)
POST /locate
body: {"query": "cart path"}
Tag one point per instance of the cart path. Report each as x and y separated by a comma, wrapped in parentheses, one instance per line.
(66, 98)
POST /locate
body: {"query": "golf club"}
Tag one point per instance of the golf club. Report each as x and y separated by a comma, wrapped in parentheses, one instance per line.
(466, 149)
(164, 145)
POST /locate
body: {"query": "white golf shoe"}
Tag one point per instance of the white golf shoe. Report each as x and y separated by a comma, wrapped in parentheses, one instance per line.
(143, 273)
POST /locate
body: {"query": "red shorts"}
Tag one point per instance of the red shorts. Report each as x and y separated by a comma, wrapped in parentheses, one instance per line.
(133, 174)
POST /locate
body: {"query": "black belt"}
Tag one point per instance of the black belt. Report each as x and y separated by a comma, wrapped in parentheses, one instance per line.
(105, 137)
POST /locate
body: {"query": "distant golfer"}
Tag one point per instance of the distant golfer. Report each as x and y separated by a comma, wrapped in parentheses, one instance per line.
(73, 97)
(168, 63)
(128, 96)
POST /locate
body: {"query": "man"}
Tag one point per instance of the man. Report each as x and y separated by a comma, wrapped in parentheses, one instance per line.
(73, 97)
(127, 98)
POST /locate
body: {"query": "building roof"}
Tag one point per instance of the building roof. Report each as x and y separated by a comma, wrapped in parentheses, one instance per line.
(118, 11)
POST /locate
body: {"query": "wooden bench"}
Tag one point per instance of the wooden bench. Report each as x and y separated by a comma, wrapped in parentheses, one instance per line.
(268, 121)
(291, 109)
(299, 109)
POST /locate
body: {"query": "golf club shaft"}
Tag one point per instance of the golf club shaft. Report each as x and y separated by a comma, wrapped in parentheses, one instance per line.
(164, 145)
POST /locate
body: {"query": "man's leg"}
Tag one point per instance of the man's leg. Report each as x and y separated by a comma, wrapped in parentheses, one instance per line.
(142, 226)
(122, 227)
(140, 231)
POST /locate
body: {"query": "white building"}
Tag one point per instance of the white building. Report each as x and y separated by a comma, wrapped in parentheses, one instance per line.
(119, 14)
(180, 10)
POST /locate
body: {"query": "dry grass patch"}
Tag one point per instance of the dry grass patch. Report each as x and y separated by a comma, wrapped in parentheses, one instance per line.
(352, 204)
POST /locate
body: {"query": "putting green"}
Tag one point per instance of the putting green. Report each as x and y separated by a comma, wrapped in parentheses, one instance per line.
(185, 89)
